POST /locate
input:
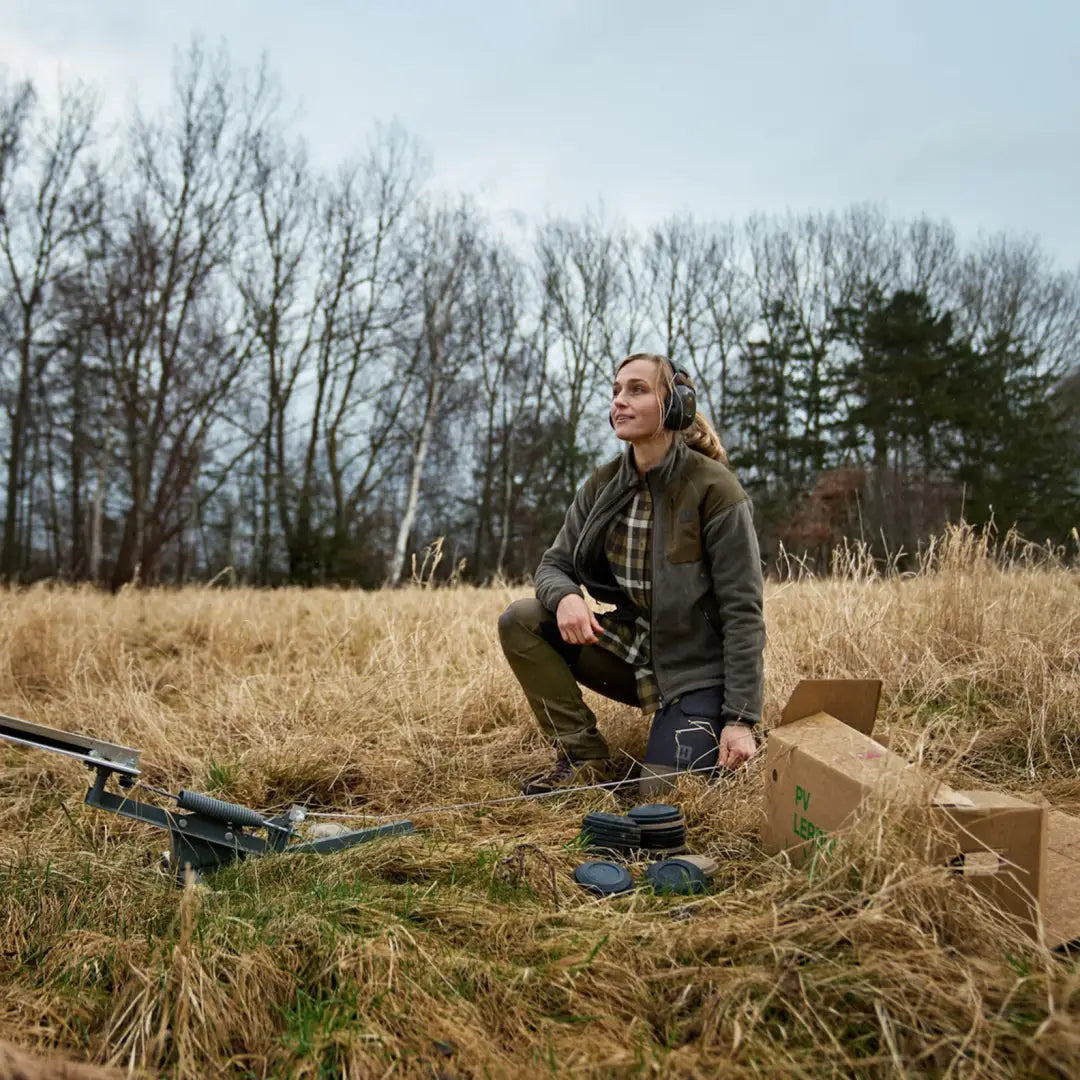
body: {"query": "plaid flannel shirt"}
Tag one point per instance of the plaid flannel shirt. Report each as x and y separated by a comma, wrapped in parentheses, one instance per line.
(628, 549)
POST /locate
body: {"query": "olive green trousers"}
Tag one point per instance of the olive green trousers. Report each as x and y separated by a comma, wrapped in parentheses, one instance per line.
(551, 673)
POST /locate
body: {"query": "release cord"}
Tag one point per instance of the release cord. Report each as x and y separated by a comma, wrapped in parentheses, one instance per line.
(505, 801)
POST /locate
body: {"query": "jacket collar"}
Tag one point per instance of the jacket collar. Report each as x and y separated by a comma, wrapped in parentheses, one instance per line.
(662, 474)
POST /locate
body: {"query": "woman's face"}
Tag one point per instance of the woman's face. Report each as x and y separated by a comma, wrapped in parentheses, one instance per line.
(636, 409)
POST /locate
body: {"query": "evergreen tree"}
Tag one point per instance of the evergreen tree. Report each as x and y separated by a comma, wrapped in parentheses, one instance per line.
(1020, 457)
(905, 402)
(781, 409)
(948, 428)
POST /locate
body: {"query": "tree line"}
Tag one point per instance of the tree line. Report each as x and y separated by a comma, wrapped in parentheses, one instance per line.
(214, 355)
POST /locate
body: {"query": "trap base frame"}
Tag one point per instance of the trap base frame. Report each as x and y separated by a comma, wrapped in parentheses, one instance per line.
(211, 833)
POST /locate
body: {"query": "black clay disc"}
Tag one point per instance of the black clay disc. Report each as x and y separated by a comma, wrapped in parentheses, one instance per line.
(654, 814)
(674, 876)
(617, 821)
(606, 830)
(627, 835)
(663, 839)
(612, 841)
(604, 878)
(678, 823)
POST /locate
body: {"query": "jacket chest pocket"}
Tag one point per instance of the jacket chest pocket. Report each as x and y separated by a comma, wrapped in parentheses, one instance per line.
(684, 535)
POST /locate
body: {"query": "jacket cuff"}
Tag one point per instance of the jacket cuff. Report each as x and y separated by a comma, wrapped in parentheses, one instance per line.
(729, 716)
(552, 597)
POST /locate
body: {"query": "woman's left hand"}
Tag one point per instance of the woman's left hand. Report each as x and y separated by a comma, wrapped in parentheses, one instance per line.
(736, 745)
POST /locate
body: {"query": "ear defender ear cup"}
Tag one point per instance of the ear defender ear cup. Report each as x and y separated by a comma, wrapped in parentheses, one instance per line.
(681, 403)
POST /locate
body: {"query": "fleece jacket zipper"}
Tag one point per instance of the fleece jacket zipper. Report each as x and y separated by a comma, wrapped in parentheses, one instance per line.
(653, 549)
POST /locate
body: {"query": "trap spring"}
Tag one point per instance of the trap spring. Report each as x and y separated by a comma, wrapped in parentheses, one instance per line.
(211, 833)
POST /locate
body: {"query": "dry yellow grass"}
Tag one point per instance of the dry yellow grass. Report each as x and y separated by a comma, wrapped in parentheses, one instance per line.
(447, 953)
(16, 1064)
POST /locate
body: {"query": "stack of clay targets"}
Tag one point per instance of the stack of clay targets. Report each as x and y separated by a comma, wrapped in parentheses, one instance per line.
(610, 832)
(685, 876)
(663, 828)
(604, 878)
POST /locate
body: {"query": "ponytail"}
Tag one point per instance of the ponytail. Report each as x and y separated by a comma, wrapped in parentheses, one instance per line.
(701, 435)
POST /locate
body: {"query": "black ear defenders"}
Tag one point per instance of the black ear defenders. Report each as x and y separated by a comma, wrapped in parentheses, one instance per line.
(681, 404)
(680, 408)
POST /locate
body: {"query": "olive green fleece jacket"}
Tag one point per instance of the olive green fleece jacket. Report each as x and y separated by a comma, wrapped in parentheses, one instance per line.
(706, 620)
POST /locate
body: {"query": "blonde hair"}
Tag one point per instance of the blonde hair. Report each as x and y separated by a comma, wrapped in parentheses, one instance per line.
(700, 435)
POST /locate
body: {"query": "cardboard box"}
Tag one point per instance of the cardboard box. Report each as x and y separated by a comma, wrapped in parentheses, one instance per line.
(822, 764)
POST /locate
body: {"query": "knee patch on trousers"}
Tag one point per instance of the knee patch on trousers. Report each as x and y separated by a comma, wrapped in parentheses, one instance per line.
(685, 734)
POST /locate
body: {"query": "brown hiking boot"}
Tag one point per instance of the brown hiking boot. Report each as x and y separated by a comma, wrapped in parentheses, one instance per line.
(568, 773)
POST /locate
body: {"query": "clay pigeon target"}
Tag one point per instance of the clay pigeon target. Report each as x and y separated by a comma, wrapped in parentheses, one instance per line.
(654, 814)
(676, 876)
(604, 878)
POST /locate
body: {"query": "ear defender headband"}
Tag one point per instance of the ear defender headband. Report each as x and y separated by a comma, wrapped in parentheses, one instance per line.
(681, 405)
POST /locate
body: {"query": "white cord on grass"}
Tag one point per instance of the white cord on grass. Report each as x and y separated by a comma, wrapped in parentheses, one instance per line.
(502, 801)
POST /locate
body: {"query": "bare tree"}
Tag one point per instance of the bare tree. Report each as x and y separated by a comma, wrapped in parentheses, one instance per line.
(439, 353)
(1007, 290)
(42, 217)
(168, 325)
(928, 258)
(334, 390)
(579, 267)
(270, 273)
(700, 305)
(371, 386)
(510, 375)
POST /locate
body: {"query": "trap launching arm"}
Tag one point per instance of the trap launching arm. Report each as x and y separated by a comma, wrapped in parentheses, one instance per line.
(205, 833)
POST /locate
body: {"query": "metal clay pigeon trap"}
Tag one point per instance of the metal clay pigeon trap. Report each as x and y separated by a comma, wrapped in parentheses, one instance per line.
(204, 833)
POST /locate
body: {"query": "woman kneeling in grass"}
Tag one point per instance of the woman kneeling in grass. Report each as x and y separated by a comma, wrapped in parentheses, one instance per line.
(666, 534)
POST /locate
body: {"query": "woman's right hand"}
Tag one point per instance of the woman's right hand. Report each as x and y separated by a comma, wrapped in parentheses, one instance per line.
(577, 624)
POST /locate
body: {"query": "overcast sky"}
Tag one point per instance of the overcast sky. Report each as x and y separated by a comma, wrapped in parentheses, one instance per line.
(967, 110)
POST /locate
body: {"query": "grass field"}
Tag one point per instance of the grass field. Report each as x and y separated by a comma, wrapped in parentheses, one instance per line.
(466, 950)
